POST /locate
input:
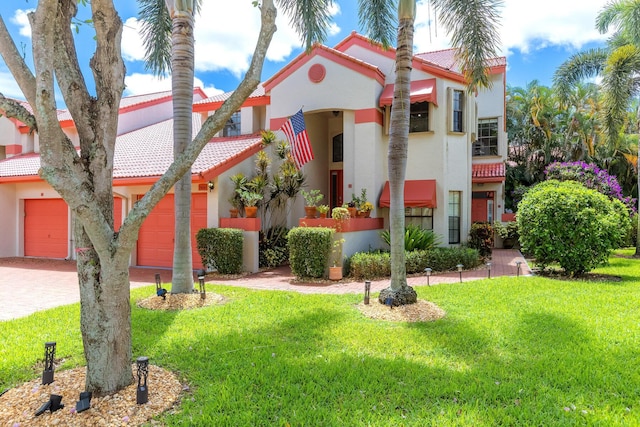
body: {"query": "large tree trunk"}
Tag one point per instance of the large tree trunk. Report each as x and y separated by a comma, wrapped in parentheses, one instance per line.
(182, 69)
(399, 292)
(105, 317)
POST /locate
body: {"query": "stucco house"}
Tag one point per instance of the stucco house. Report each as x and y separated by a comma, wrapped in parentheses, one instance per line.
(455, 171)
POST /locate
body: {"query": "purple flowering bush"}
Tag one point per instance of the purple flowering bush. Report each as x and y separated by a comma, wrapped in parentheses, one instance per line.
(591, 176)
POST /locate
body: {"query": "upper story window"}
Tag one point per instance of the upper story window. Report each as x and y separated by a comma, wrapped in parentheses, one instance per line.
(457, 113)
(487, 143)
(419, 117)
(232, 128)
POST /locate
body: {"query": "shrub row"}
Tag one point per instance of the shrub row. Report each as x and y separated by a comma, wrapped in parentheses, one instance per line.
(371, 265)
(221, 248)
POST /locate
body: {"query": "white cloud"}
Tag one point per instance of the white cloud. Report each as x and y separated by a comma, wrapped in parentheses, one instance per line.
(132, 45)
(225, 37)
(526, 26)
(139, 83)
(22, 21)
(9, 86)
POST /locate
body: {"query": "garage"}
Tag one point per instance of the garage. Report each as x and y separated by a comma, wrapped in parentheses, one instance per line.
(46, 228)
(155, 240)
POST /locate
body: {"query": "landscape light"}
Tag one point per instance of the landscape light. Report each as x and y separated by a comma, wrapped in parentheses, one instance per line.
(142, 392)
(428, 273)
(49, 356)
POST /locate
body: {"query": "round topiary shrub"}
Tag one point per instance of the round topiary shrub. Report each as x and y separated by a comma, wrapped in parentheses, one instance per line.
(567, 223)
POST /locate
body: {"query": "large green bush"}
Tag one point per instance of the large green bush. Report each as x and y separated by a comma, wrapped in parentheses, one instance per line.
(273, 247)
(567, 223)
(309, 250)
(221, 248)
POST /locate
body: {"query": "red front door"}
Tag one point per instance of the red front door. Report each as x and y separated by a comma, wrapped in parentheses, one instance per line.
(336, 190)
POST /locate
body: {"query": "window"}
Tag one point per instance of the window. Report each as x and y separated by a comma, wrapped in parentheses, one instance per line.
(419, 117)
(487, 143)
(458, 101)
(232, 128)
(422, 217)
(337, 149)
(454, 216)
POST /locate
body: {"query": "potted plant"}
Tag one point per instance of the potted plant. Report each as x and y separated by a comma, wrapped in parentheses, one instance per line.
(508, 231)
(340, 214)
(335, 271)
(366, 209)
(351, 208)
(239, 181)
(250, 200)
(311, 199)
(322, 210)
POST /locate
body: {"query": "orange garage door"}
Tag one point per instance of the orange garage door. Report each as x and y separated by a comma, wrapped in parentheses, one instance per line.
(155, 241)
(46, 227)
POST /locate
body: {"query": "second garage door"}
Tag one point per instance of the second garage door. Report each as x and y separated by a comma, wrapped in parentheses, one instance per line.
(155, 241)
(46, 228)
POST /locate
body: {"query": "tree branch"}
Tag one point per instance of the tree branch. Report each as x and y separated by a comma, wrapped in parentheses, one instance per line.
(14, 109)
(18, 67)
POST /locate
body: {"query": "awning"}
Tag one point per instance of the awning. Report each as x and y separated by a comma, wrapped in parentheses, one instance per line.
(488, 172)
(417, 194)
(421, 90)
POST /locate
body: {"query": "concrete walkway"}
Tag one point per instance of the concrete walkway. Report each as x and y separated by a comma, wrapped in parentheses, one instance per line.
(28, 285)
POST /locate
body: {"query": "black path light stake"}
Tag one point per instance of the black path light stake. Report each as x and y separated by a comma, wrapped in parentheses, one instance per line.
(53, 404)
(85, 401)
(203, 291)
(160, 291)
(49, 355)
(459, 266)
(428, 273)
(367, 291)
(489, 269)
(142, 393)
(518, 268)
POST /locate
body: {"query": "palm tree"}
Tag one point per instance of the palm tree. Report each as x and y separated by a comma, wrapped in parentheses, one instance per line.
(618, 64)
(175, 18)
(472, 26)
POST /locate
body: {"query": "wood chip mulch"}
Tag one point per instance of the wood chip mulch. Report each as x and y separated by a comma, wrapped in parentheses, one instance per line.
(180, 301)
(18, 405)
(421, 311)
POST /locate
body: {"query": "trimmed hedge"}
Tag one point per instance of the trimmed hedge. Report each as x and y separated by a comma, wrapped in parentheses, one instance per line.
(371, 265)
(309, 250)
(221, 248)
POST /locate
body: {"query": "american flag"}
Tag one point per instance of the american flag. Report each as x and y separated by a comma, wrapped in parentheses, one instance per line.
(296, 133)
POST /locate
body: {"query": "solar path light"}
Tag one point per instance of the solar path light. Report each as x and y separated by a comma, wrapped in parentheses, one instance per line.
(367, 291)
(49, 356)
(459, 266)
(428, 273)
(142, 392)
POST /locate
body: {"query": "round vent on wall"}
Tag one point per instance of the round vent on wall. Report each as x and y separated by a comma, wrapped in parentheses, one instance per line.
(317, 73)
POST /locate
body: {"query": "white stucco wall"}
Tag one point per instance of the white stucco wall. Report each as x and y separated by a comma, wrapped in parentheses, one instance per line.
(9, 220)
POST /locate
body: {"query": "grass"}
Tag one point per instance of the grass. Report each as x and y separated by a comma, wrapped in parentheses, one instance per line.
(511, 351)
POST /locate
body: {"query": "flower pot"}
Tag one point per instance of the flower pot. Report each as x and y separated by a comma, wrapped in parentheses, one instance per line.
(353, 212)
(335, 273)
(323, 214)
(233, 213)
(310, 211)
(367, 214)
(251, 211)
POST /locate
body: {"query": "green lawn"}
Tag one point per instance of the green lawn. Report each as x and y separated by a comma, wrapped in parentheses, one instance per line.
(511, 351)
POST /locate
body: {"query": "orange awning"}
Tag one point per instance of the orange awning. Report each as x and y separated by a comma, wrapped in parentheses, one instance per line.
(421, 90)
(417, 194)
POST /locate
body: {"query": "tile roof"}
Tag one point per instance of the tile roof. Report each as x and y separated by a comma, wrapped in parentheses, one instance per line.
(148, 152)
(224, 96)
(488, 172)
(446, 59)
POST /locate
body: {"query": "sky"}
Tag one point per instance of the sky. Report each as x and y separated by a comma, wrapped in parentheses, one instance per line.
(535, 37)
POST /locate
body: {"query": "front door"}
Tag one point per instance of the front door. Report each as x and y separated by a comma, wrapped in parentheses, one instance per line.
(335, 190)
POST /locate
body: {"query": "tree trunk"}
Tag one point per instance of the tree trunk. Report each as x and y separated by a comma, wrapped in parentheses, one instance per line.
(182, 66)
(105, 317)
(399, 292)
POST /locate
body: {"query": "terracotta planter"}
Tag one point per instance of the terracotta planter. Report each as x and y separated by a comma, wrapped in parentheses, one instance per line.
(323, 215)
(233, 213)
(335, 273)
(251, 211)
(353, 212)
(367, 214)
(310, 211)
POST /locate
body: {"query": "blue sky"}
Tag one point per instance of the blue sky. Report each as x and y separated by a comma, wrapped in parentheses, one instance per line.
(536, 38)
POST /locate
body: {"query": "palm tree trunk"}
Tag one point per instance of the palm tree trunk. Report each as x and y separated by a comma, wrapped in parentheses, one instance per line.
(182, 67)
(399, 293)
